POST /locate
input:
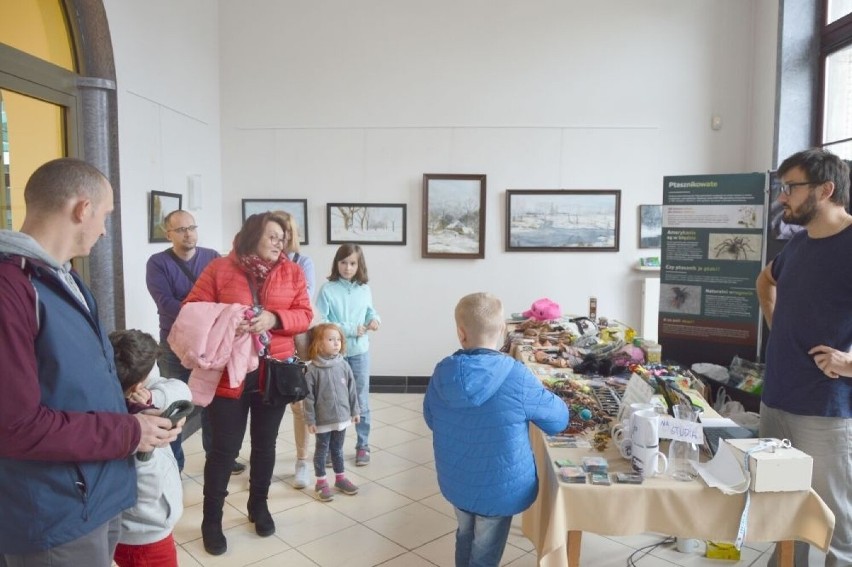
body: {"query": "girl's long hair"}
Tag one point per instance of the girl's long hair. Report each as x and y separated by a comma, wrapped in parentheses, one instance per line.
(345, 251)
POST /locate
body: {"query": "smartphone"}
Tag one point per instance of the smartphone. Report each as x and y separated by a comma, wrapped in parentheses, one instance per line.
(178, 410)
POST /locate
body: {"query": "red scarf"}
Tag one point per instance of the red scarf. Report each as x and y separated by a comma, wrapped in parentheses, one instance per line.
(256, 267)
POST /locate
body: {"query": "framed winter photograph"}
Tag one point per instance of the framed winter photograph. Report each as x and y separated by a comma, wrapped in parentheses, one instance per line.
(161, 204)
(562, 220)
(453, 216)
(296, 207)
(650, 226)
(366, 223)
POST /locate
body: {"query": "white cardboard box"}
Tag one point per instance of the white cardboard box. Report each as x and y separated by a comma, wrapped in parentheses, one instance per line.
(784, 470)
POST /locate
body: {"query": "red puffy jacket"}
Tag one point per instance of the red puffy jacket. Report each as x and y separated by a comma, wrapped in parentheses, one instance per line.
(284, 293)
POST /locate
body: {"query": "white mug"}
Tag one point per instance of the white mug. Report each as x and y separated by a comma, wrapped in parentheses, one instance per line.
(625, 447)
(648, 461)
(645, 430)
(624, 412)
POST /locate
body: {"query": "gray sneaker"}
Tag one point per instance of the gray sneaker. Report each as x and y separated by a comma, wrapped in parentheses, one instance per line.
(345, 486)
(362, 457)
(324, 492)
(302, 476)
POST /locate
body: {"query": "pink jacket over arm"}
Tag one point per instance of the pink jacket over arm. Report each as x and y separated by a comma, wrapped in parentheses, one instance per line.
(204, 339)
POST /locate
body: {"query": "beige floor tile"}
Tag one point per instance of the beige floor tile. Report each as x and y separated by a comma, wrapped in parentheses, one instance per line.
(290, 558)
(415, 425)
(517, 538)
(371, 501)
(382, 465)
(356, 546)
(282, 496)
(441, 551)
(439, 503)
(244, 548)
(185, 559)
(304, 524)
(413, 525)
(408, 560)
(417, 451)
(193, 491)
(416, 483)
(390, 436)
(394, 414)
(525, 560)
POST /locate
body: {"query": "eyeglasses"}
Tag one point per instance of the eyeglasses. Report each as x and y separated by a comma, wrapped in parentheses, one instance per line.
(787, 188)
(275, 239)
(184, 229)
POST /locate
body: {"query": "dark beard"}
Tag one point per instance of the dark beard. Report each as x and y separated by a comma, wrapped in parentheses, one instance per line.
(805, 214)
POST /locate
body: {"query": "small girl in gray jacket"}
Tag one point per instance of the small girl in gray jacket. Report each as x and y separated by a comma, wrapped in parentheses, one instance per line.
(331, 406)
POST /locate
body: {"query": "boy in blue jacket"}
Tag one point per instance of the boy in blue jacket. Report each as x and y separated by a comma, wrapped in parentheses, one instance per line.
(479, 404)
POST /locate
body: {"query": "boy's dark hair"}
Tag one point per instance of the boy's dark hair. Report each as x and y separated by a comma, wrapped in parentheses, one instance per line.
(345, 251)
(135, 355)
(820, 166)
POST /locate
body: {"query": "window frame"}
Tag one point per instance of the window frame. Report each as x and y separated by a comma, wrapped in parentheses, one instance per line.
(832, 38)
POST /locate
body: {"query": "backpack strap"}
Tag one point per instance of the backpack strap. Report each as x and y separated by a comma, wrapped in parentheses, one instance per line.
(181, 264)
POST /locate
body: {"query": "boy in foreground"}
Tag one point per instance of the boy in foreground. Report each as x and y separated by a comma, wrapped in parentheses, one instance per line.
(479, 404)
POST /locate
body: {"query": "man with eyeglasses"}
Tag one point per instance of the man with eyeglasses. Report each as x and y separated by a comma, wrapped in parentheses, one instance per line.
(170, 275)
(806, 297)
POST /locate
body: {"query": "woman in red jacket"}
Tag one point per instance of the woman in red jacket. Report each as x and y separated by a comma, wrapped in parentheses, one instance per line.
(256, 261)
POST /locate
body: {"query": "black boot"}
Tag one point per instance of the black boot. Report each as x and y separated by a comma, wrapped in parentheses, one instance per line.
(211, 527)
(258, 512)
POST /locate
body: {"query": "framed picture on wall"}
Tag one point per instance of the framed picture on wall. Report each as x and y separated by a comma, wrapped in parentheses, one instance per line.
(366, 223)
(563, 220)
(650, 226)
(160, 205)
(453, 216)
(296, 207)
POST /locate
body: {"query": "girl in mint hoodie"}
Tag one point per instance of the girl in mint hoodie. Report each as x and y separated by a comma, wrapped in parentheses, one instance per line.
(346, 300)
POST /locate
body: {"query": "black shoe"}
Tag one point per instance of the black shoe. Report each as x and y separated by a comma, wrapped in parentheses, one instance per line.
(214, 540)
(237, 468)
(258, 514)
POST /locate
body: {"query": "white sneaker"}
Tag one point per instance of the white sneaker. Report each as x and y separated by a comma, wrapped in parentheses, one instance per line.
(302, 476)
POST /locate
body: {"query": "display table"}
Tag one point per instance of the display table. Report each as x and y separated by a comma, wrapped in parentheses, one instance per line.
(556, 520)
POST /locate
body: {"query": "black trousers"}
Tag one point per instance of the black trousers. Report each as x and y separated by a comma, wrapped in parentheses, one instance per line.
(228, 419)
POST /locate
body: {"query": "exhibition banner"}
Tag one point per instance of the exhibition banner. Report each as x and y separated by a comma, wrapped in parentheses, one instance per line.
(712, 246)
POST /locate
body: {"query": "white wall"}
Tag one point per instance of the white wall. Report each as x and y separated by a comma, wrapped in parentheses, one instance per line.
(167, 67)
(354, 101)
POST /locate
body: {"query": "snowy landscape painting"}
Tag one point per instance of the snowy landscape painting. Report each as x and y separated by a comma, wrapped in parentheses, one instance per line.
(453, 216)
(366, 223)
(296, 207)
(562, 220)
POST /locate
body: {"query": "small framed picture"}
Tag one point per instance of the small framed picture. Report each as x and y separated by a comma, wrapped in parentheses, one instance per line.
(650, 226)
(161, 204)
(366, 223)
(298, 208)
(562, 220)
(453, 216)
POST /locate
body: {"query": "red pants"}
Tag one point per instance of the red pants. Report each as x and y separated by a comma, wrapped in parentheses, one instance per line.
(161, 553)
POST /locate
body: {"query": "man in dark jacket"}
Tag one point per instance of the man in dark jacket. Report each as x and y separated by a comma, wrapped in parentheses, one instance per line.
(66, 439)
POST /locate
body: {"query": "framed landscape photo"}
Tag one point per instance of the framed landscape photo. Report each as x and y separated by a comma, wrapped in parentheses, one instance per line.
(161, 204)
(296, 207)
(650, 226)
(366, 223)
(562, 220)
(453, 216)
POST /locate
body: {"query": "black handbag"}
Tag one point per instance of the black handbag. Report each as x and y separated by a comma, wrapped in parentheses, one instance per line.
(281, 381)
(284, 381)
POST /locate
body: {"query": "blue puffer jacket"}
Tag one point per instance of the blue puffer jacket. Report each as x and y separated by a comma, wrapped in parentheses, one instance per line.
(479, 404)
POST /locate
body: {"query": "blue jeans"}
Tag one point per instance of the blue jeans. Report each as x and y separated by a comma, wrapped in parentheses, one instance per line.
(329, 441)
(170, 367)
(480, 540)
(360, 364)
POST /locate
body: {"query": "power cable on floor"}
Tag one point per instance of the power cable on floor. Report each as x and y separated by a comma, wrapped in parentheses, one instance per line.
(632, 559)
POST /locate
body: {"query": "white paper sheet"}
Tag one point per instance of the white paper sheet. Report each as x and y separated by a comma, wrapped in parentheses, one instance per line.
(723, 472)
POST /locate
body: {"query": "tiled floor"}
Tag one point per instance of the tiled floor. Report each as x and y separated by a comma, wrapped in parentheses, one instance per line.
(398, 519)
